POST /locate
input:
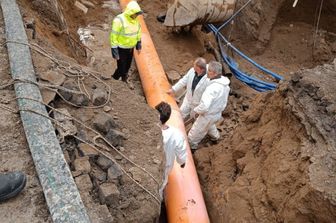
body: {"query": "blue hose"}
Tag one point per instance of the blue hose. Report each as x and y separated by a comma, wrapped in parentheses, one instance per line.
(249, 80)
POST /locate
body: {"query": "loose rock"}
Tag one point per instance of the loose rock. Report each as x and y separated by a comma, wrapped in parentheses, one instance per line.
(84, 183)
(82, 165)
(109, 194)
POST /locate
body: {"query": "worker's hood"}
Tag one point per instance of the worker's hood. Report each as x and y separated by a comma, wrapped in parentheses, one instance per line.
(222, 80)
(132, 8)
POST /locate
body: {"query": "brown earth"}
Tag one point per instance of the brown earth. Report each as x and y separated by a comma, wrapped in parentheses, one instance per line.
(135, 133)
(276, 161)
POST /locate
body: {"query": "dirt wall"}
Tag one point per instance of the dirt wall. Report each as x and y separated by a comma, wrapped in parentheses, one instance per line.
(278, 164)
(255, 23)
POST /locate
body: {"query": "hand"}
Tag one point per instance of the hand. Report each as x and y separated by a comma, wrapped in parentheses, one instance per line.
(183, 165)
(170, 92)
(115, 53)
(138, 45)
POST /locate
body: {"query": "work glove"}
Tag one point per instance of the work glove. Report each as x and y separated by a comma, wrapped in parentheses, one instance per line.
(138, 45)
(115, 53)
(183, 165)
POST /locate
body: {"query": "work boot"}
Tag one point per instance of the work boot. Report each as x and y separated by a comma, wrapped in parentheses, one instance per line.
(215, 141)
(11, 184)
(193, 147)
(161, 17)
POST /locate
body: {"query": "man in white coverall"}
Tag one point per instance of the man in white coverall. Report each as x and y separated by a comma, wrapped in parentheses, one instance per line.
(195, 81)
(211, 106)
(174, 143)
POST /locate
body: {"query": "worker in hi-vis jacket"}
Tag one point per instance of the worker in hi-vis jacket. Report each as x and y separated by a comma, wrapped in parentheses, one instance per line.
(124, 37)
(211, 106)
(195, 81)
(174, 143)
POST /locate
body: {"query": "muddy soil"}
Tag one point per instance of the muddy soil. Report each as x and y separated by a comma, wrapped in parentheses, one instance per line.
(276, 160)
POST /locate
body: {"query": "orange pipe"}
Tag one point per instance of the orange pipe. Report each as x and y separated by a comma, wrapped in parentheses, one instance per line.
(184, 199)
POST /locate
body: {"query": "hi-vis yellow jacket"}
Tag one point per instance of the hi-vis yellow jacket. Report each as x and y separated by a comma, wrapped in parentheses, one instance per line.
(126, 32)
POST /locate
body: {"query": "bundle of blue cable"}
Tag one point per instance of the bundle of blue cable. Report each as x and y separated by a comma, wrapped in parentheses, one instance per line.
(253, 82)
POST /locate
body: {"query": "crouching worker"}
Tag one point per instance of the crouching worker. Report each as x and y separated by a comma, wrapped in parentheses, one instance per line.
(174, 143)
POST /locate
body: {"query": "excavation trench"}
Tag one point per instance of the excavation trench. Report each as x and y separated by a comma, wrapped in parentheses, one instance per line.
(267, 162)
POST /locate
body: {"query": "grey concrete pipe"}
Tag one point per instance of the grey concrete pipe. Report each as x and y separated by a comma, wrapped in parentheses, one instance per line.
(59, 188)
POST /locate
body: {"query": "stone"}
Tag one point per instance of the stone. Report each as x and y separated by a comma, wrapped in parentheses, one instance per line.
(109, 194)
(124, 205)
(65, 126)
(81, 134)
(245, 106)
(76, 173)
(113, 6)
(68, 84)
(99, 96)
(80, 99)
(115, 137)
(118, 157)
(52, 77)
(156, 161)
(331, 109)
(173, 76)
(99, 174)
(126, 131)
(104, 214)
(103, 122)
(47, 78)
(88, 3)
(104, 162)
(83, 165)
(107, 108)
(99, 213)
(114, 173)
(87, 150)
(81, 7)
(296, 78)
(84, 183)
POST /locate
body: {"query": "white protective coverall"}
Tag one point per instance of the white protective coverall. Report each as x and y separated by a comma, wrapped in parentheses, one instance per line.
(213, 102)
(191, 100)
(175, 146)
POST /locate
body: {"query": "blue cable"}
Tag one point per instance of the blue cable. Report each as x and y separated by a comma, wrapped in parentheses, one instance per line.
(249, 80)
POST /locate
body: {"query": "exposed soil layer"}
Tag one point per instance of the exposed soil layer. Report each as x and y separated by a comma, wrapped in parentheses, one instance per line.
(278, 165)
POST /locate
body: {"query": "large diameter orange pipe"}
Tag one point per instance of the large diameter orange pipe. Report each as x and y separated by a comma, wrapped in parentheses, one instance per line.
(184, 199)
